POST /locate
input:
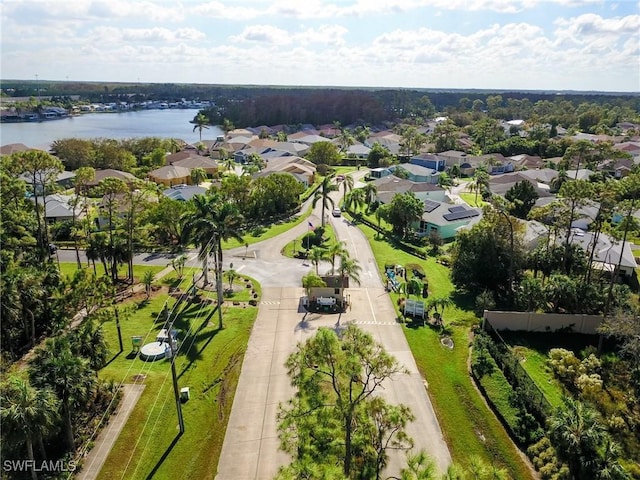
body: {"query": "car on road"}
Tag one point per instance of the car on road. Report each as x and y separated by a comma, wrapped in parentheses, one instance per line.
(336, 212)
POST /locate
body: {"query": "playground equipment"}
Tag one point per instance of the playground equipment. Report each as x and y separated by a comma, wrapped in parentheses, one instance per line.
(391, 277)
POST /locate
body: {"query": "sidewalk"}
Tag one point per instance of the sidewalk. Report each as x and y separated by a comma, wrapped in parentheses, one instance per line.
(104, 442)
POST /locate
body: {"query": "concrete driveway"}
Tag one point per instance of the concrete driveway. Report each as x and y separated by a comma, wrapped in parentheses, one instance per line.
(250, 449)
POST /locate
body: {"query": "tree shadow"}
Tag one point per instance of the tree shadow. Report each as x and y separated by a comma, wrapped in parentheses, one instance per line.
(112, 359)
(196, 337)
(164, 456)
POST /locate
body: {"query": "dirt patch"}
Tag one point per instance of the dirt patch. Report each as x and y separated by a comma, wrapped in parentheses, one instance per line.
(139, 378)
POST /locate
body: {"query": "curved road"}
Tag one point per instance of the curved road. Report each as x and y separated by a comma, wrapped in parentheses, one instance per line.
(250, 449)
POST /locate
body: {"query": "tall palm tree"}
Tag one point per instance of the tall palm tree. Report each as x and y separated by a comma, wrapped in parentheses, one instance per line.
(337, 249)
(200, 228)
(480, 182)
(326, 187)
(355, 200)
(370, 192)
(200, 122)
(67, 374)
(347, 186)
(316, 255)
(213, 221)
(349, 269)
(27, 413)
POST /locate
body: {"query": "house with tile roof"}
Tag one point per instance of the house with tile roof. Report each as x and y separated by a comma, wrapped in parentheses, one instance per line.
(111, 173)
(303, 170)
(171, 175)
(209, 165)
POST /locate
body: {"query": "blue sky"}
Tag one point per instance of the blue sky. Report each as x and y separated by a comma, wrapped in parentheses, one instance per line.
(493, 44)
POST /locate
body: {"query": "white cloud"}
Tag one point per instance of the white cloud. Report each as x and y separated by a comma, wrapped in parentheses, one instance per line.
(112, 35)
(229, 12)
(265, 34)
(270, 35)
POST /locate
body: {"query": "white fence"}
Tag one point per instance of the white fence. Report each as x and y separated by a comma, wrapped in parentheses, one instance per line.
(543, 322)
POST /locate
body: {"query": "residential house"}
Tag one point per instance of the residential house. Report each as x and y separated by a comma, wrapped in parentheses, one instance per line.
(540, 179)
(240, 132)
(632, 148)
(198, 161)
(171, 175)
(418, 173)
(63, 180)
(310, 139)
(59, 208)
(524, 161)
(387, 187)
(358, 150)
(445, 219)
(111, 173)
(580, 174)
(608, 252)
(429, 160)
(12, 148)
(184, 192)
(303, 170)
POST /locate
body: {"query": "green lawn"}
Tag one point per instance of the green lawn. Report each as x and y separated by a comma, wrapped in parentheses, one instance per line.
(208, 362)
(463, 416)
(260, 234)
(470, 198)
(499, 391)
(533, 350)
(67, 269)
(291, 248)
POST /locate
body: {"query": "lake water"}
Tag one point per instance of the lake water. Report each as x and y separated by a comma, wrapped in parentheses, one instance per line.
(172, 123)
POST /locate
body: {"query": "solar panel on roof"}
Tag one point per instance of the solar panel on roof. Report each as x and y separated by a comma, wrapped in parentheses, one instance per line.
(430, 206)
(457, 208)
(450, 217)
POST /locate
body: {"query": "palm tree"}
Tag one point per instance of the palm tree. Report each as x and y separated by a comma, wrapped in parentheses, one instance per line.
(200, 122)
(337, 249)
(370, 192)
(326, 187)
(354, 200)
(349, 268)
(439, 303)
(480, 182)
(67, 374)
(347, 186)
(88, 341)
(27, 413)
(311, 280)
(213, 221)
(576, 434)
(198, 175)
(147, 281)
(200, 229)
(316, 255)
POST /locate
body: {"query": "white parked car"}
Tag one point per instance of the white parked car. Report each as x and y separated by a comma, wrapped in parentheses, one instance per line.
(336, 212)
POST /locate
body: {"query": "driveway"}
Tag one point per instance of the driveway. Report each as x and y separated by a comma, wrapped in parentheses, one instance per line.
(250, 449)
